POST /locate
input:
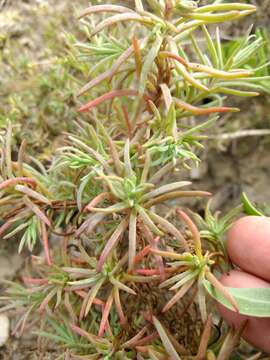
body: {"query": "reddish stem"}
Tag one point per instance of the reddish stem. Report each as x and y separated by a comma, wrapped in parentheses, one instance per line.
(14, 181)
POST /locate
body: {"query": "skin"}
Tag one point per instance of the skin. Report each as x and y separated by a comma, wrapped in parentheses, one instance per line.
(248, 247)
(257, 330)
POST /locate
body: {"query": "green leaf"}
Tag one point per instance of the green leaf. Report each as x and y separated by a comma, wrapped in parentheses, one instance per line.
(211, 47)
(251, 301)
(249, 208)
(165, 340)
(171, 122)
(148, 63)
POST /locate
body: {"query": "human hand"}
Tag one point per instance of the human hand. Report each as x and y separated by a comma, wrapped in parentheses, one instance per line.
(248, 247)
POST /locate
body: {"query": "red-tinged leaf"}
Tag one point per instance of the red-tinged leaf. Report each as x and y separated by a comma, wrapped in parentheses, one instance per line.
(147, 272)
(173, 56)
(93, 339)
(6, 226)
(32, 194)
(90, 223)
(69, 308)
(121, 286)
(231, 341)
(182, 70)
(143, 349)
(165, 189)
(111, 243)
(46, 300)
(115, 160)
(142, 279)
(107, 74)
(33, 281)
(81, 293)
(98, 302)
(105, 315)
(170, 228)
(144, 252)
(45, 239)
(132, 342)
(128, 16)
(180, 293)
(21, 156)
(171, 255)
(222, 289)
(166, 96)
(121, 60)
(108, 96)
(148, 221)
(138, 56)
(159, 260)
(118, 307)
(194, 231)
(127, 120)
(99, 198)
(174, 195)
(205, 338)
(92, 83)
(147, 339)
(17, 180)
(91, 296)
(202, 111)
(37, 211)
(132, 239)
(166, 340)
(77, 330)
(104, 8)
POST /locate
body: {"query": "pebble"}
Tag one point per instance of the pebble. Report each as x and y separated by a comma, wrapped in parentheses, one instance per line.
(9, 265)
(4, 329)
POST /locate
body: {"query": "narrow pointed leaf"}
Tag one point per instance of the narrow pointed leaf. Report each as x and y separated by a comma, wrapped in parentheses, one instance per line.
(128, 16)
(249, 208)
(111, 243)
(148, 64)
(108, 96)
(165, 340)
(165, 189)
(104, 8)
(132, 238)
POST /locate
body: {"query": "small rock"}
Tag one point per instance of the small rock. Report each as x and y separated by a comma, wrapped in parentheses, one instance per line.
(9, 265)
(4, 329)
(195, 173)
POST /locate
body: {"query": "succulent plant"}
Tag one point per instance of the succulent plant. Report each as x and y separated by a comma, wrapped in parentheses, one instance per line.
(159, 77)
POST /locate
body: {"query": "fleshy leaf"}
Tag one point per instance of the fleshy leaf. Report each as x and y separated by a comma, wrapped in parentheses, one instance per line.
(250, 301)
